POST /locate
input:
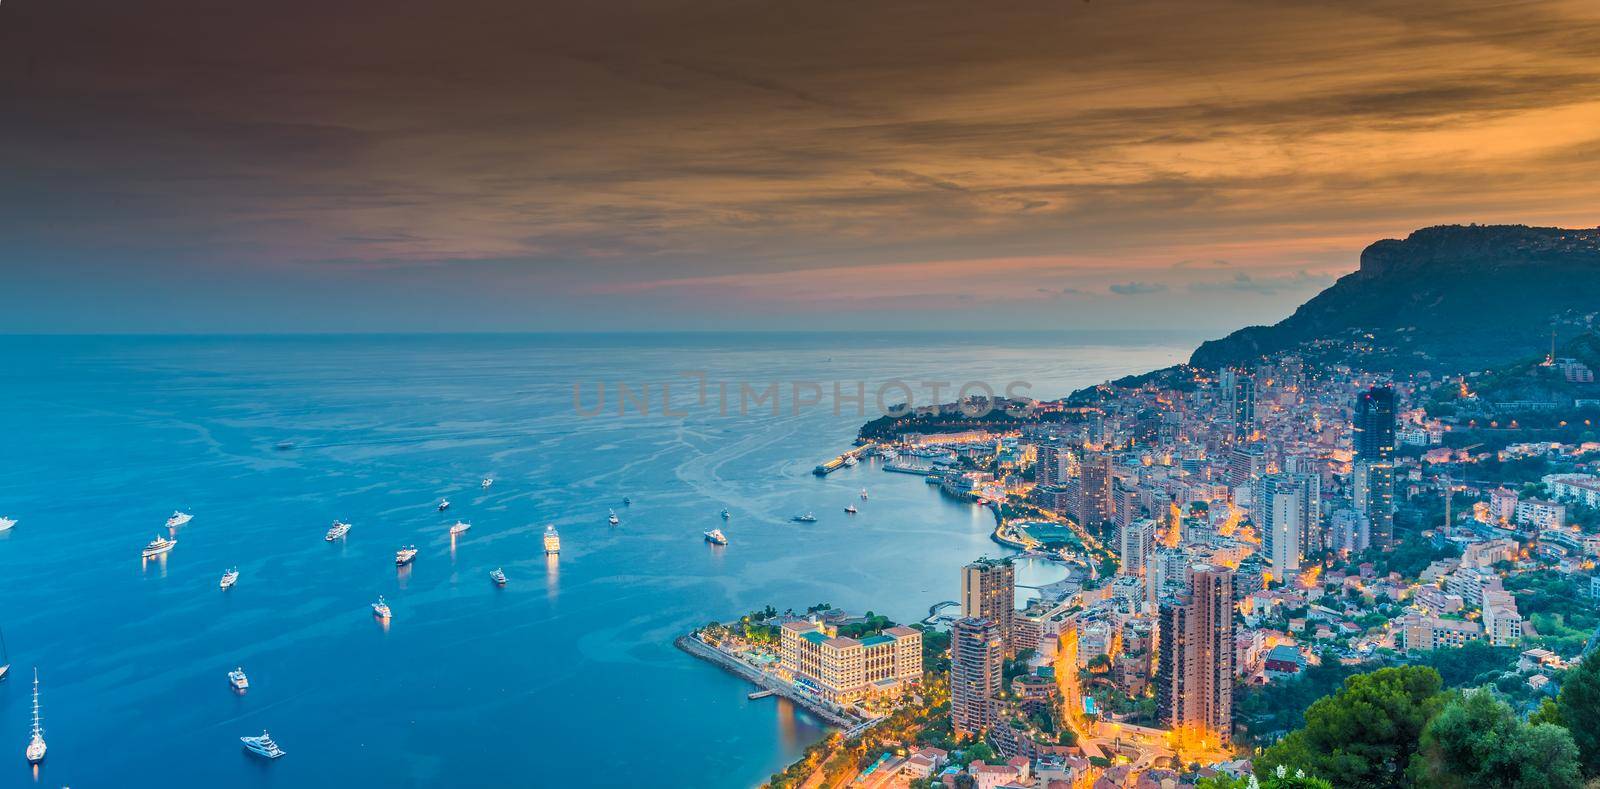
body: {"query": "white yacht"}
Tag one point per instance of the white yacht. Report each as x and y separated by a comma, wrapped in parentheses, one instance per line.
(444, 504)
(238, 680)
(498, 576)
(487, 481)
(863, 494)
(36, 746)
(380, 609)
(262, 746)
(850, 460)
(716, 537)
(230, 577)
(460, 528)
(806, 518)
(613, 518)
(179, 517)
(552, 541)
(337, 531)
(850, 508)
(7, 523)
(405, 555)
(158, 546)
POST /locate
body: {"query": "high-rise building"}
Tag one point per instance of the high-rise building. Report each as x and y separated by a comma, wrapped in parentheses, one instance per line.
(1047, 467)
(1126, 501)
(1194, 666)
(1134, 543)
(1245, 465)
(1242, 407)
(1288, 514)
(1094, 488)
(1373, 433)
(977, 657)
(989, 591)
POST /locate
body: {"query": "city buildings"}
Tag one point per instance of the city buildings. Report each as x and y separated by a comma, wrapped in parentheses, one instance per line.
(977, 660)
(1373, 437)
(1194, 666)
(989, 591)
(844, 670)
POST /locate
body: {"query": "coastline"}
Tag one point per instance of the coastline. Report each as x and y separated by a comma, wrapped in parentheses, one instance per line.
(697, 648)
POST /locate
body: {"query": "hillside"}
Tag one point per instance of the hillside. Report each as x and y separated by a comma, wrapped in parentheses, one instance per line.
(1446, 298)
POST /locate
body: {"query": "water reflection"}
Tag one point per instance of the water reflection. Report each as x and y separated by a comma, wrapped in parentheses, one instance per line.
(159, 560)
(403, 574)
(552, 573)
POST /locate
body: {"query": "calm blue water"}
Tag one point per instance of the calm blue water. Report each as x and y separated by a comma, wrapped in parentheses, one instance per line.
(569, 668)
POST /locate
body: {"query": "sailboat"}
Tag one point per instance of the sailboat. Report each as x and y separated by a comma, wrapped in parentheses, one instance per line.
(36, 745)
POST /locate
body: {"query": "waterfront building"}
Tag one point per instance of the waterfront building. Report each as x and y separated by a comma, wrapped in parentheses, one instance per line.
(977, 658)
(1194, 665)
(1372, 435)
(843, 670)
(989, 591)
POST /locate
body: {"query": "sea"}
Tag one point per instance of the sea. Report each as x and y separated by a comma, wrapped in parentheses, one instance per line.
(566, 676)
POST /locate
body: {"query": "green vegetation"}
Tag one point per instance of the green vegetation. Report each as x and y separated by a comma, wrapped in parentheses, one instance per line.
(1578, 709)
(1477, 741)
(1265, 710)
(1278, 779)
(1367, 733)
(1559, 610)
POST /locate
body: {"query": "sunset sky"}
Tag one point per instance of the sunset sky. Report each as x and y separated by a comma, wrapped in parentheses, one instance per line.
(195, 165)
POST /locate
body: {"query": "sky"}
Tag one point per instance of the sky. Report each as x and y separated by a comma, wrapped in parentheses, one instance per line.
(509, 165)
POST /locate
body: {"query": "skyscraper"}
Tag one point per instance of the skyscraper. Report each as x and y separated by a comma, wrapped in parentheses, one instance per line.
(1135, 541)
(1194, 667)
(1373, 435)
(1094, 489)
(989, 591)
(1243, 407)
(1287, 512)
(977, 657)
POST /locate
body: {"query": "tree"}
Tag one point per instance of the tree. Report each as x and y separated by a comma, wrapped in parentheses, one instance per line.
(1366, 734)
(1477, 741)
(1579, 708)
(1279, 778)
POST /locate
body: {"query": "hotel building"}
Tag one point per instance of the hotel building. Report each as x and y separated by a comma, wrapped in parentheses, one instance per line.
(843, 670)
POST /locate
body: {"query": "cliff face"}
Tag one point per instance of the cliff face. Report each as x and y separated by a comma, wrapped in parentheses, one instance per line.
(1448, 297)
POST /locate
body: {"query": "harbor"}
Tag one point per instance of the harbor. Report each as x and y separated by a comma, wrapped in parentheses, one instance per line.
(844, 460)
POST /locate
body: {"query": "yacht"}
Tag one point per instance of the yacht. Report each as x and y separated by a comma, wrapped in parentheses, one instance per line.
(725, 514)
(158, 546)
(460, 527)
(552, 541)
(238, 680)
(178, 518)
(444, 504)
(716, 537)
(806, 518)
(337, 531)
(487, 481)
(863, 494)
(262, 746)
(850, 460)
(613, 518)
(230, 577)
(380, 609)
(405, 555)
(498, 576)
(36, 745)
(850, 508)
(7, 523)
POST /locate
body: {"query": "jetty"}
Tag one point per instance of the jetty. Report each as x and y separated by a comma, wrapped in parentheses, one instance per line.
(824, 469)
(769, 684)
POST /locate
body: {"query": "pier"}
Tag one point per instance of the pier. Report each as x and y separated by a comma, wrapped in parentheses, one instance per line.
(824, 469)
(770, 685)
